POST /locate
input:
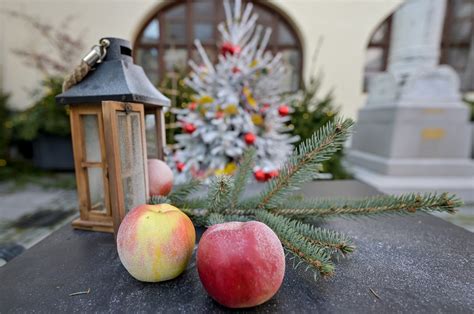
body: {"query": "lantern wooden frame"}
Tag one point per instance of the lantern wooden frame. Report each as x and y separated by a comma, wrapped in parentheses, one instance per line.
(111, 161)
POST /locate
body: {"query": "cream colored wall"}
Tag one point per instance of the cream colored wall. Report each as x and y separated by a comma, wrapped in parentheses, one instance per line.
(344, 25)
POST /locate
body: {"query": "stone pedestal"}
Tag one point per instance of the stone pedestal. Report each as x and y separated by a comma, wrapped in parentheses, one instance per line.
(414, 132)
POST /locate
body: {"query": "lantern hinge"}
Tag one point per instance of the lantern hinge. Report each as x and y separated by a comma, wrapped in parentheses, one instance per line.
(127, 107)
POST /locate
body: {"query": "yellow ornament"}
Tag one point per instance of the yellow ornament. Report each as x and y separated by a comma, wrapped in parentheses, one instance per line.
(231, 109)
(257, 119)
(227, 170)
(252, 102)
(206, 99)
(254, 63)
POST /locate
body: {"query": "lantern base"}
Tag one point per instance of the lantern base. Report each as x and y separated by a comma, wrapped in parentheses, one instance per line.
(101, 226)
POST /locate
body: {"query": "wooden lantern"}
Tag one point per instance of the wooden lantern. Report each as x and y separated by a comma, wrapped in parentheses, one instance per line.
(107, 110)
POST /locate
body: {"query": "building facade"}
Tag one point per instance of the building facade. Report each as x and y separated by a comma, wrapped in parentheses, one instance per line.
(353, 37)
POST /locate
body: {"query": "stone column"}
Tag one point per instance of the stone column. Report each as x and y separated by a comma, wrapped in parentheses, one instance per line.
(416, 36)
(414, 133)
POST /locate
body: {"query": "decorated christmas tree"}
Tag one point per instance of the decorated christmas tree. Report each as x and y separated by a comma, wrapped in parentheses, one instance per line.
(237, 104)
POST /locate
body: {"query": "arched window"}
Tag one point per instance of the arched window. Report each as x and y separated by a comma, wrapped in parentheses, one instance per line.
(457, 45)
(165, 42)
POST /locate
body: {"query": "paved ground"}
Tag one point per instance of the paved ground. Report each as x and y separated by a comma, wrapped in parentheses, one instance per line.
(29, 214)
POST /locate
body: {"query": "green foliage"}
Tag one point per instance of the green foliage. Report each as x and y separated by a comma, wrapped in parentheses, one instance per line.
(470, 104)
(242, 176)
(5, 128)
(45, 116)
(311, 113)
(283, 212)
(173, 87)
(219, 196)
(182, 191)
(304, 163)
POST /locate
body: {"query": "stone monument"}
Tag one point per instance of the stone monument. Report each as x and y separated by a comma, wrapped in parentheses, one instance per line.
(414, 133)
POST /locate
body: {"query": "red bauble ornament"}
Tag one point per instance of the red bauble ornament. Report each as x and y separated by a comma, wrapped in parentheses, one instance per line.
(283, 110)
(180, 166)
(219, 114)
(271, 174)
(265, 107)
(235, 70)
(189, 128)
(192, 106)
(229, 48)
(249, 138)
(160, 177)
(240, 264)
(260, 176)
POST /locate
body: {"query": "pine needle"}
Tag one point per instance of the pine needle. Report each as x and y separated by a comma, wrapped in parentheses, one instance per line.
(242, 176)
(181, 192)
(219, 193)
(304, 162)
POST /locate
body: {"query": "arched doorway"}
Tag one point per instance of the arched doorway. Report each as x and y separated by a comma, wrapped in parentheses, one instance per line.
(165, 41)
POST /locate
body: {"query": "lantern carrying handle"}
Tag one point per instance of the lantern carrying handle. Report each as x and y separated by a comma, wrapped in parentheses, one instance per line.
(94, 56)
(97, 53)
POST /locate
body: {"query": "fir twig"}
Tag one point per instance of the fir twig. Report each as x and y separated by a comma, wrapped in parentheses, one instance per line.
(331, 241)
(406, 203)
(242, 176)
(158, 199)
(304, 163)
(219, 193)
(298, 245)
(280, 209)
(181, 192)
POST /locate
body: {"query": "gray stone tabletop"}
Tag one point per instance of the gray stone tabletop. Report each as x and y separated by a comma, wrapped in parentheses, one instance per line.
(416, 263)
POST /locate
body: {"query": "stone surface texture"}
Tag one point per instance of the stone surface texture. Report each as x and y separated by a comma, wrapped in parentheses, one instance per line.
(416, 263)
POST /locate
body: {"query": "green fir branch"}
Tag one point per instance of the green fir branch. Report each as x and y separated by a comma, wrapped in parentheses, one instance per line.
(308, 252)
(304, 163)
(383, 204)
(282, 210)
(242, 176)
(158, 199)
(331, 241)
(219, 193)
(216, 218)
(196, 203)
(181, 192)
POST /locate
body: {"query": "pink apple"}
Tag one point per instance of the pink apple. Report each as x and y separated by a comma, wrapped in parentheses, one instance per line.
(155, 242)
(240, 264)
(160, 177)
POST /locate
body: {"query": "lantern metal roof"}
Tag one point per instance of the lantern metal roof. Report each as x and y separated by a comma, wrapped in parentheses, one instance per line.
(115, 78)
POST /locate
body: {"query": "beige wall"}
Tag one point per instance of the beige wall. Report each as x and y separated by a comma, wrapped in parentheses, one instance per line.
(344, 25)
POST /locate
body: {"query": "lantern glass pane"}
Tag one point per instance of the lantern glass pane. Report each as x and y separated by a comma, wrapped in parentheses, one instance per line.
(131, 159)
(150, 136)
(96, 190)
(90, 125)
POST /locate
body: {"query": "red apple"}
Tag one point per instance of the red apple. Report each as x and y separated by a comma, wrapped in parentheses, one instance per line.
(240, 264)
(160, 177)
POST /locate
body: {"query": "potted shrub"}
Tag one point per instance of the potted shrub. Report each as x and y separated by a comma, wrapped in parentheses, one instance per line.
(46, 125)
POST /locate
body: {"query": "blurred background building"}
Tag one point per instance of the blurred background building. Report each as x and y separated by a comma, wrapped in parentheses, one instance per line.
(355, 37)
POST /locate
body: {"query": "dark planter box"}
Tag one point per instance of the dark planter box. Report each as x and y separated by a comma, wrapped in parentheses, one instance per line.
(52, 152)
